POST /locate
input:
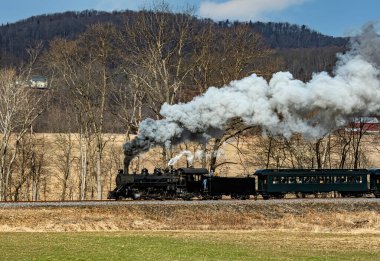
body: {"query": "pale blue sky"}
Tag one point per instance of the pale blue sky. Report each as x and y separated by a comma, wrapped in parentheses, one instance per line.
(332, 17)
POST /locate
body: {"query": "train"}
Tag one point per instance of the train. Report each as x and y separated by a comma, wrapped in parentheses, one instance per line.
(199, 183)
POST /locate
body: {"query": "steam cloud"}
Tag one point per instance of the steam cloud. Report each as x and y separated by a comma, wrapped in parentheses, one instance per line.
(189, 158)
(282, 106)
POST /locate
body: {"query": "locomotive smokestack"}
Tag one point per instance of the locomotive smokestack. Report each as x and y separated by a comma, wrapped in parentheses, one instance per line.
(282, 106)
(127, 161)
(132, 149)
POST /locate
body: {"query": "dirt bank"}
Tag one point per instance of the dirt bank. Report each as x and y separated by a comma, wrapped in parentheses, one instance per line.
(300, 216)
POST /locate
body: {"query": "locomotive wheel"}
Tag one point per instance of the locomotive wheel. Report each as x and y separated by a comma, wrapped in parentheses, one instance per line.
(246, 197)
(242, 197)
(187, 198)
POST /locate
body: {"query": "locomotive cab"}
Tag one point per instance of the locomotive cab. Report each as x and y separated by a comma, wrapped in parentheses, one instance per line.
(194, 178)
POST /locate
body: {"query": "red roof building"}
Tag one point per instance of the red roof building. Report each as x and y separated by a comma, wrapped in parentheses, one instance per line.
(364, 124)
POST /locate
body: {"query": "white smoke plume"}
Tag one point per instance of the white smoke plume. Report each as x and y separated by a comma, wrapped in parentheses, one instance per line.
(199, 154)
(282, 106)
(189, 158)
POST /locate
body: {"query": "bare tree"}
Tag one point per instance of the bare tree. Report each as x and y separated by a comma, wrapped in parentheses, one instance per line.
(155, 54)
(65, 61)
(37, 165)
(127, 100)
(98, 41)
(19, 108)
(349, 142)
(64, 159)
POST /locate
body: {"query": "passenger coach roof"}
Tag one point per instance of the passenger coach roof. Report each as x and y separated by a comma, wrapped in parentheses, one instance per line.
(375, 171)
(311, 171)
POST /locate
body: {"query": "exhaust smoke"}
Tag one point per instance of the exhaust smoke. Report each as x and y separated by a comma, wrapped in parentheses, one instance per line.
(282, 106)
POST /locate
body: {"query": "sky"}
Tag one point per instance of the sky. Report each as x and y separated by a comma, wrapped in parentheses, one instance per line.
(331, 17)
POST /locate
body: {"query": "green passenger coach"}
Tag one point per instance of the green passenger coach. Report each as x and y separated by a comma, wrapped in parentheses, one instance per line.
(275, 183)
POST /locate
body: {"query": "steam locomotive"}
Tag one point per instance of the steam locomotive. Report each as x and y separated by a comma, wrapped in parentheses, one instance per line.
(190, 183)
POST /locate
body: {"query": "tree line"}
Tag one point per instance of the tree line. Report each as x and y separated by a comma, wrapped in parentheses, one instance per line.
(15, 38)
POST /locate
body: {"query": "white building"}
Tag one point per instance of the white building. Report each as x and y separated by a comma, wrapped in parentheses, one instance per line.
(38, 82)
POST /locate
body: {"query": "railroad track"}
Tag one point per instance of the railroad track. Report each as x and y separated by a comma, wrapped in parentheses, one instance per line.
(105, 203)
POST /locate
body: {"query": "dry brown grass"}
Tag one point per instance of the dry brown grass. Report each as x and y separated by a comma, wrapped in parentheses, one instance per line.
(316, 217)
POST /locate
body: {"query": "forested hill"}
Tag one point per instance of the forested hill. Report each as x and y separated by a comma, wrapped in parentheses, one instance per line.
(15, 38)
(285, 35)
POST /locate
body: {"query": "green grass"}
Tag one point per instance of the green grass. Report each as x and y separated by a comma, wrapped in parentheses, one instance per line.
(218, 245)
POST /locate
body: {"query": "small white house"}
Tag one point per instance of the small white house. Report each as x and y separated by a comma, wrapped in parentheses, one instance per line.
(38, 82)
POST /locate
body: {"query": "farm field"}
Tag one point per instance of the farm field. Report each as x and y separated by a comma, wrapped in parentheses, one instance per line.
(189, 245)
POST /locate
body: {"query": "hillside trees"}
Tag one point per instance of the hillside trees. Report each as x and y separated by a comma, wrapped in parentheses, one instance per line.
(16, 37)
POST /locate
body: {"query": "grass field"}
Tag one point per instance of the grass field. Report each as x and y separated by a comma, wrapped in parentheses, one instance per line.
(189, 245)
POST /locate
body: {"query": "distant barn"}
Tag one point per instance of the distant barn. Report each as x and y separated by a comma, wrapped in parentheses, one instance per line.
(364, 124)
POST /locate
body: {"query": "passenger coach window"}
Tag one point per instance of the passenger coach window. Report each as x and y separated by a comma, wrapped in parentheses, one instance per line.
(341, 179)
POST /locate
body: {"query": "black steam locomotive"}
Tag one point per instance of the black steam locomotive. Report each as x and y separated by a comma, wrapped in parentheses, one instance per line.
(185, 183)
(189, 183)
